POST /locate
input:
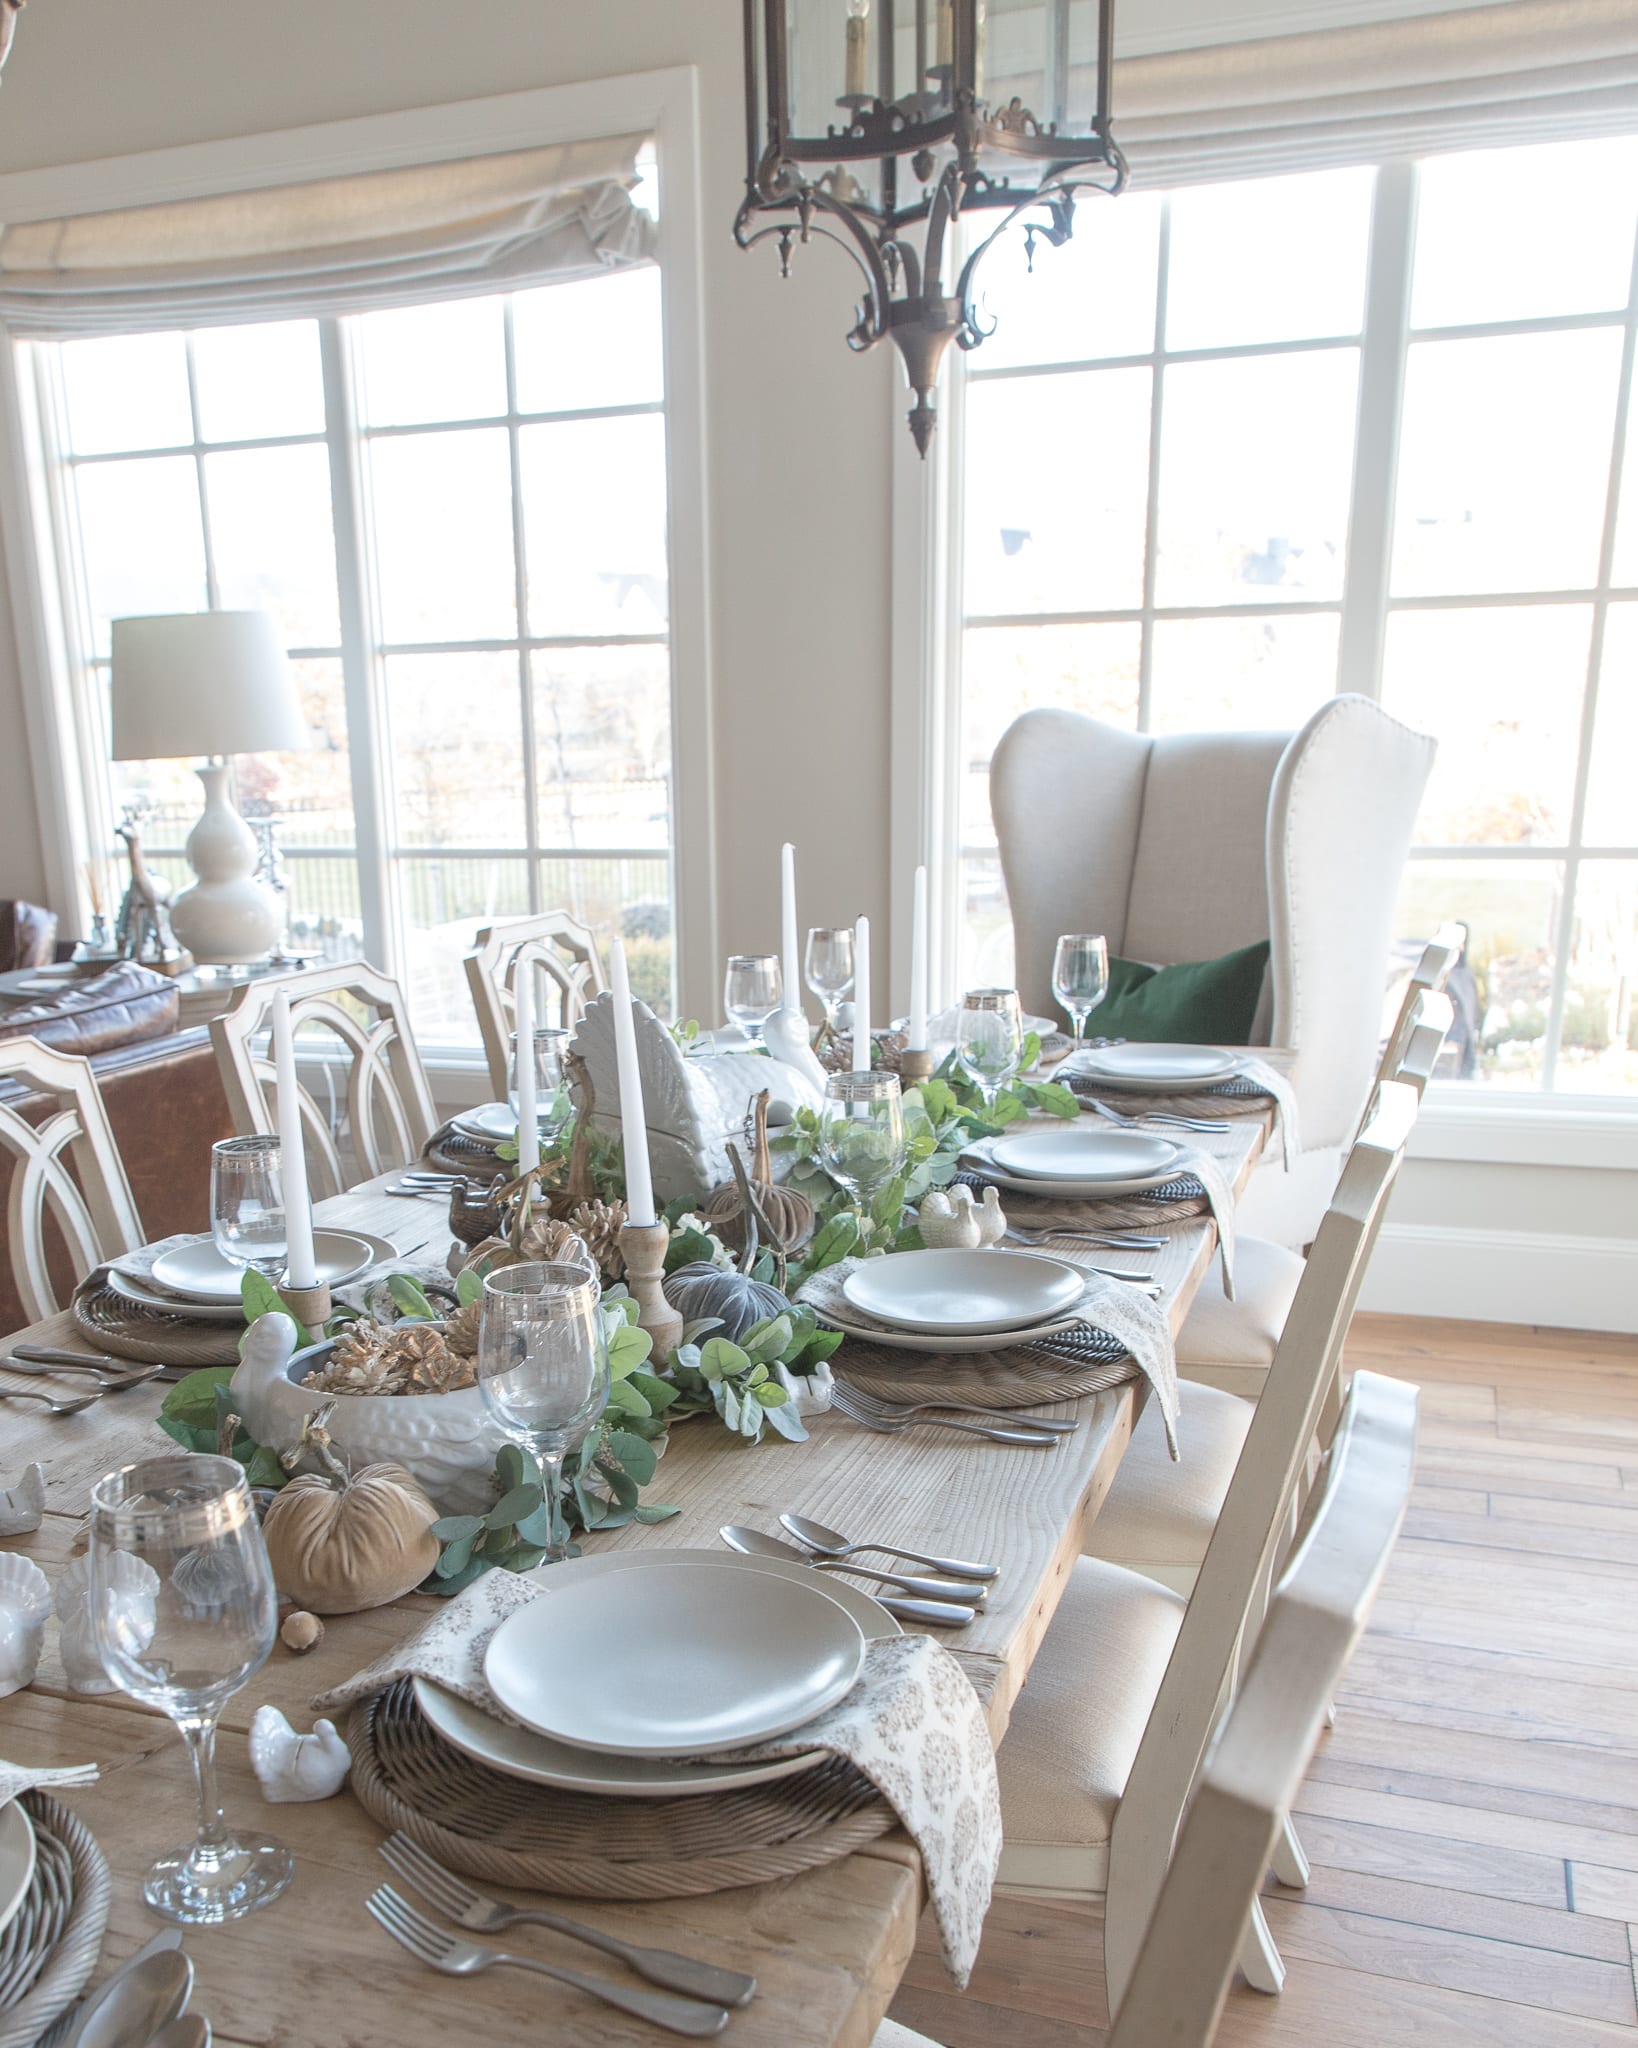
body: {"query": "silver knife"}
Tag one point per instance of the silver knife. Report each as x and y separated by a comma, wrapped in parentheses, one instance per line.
(167, 1937)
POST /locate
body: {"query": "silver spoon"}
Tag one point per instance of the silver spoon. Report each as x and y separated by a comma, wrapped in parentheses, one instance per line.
(940, 1592)
(141, 2002)
(832, 1543)
(50, 1402)
(187, 2030)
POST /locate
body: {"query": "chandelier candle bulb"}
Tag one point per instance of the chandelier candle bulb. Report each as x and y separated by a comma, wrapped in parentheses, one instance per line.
(301, 1264)
(523, 1059)
(790, 958)
(861, 996)
(633, 1120)
(916, 1037)
(945, 35)
(854, 87)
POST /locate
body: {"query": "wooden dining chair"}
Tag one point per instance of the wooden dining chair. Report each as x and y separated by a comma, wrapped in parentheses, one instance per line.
(352, 1019)
(1230, 1344)
(1259, 1754)
(568, 973)
(69, 1204)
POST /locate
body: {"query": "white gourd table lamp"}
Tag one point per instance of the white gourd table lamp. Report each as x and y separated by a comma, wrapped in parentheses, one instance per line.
(211, 683)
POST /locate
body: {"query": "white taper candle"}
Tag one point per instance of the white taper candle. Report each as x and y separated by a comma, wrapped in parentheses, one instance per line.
(861, 996)
(917, 1040)
(633, 1120)
(301, 1263)
(523, 1020)
(790, 965)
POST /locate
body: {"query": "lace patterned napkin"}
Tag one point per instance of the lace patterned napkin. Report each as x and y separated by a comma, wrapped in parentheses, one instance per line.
(912, 1725)
(16, 1779)
(1127, 1314)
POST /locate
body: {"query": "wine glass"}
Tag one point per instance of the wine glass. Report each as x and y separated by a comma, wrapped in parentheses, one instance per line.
(247, 1204)
(543, 1367)
(554, 1106)
(1080, 976)
(828, 967)
(861, 1133)
(751, 988)
(990, 1038)
(183, 1611)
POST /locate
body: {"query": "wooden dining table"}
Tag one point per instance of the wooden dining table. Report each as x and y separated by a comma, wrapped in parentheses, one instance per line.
(828, 1947)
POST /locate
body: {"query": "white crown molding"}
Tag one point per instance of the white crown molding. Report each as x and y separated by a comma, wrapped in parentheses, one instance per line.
(1198, 24)
(1504, 1276)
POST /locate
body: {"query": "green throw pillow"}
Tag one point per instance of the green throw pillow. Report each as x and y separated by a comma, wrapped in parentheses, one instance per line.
(1197, 1002)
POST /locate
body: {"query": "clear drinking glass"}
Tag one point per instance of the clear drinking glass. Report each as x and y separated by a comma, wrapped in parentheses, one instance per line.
(554, 1107)
(861, 1132)
(183, 1612)
(543, 1366)
(1080, 976)
(828, 966)
(247, 1204)
(990, 1038)
(751, 988)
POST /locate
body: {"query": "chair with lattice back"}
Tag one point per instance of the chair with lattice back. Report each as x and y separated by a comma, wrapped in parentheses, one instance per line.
(351, 1022)
(568, 973)
(67, 1178)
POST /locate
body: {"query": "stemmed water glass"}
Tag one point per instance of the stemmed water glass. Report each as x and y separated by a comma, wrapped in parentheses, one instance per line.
(183, 1611)
(752, 987)
(247, 1204)
(990, 1038)
(554, 1106)
(543, 1367)
(861, 1133)
(1080, 977)
(828, 967)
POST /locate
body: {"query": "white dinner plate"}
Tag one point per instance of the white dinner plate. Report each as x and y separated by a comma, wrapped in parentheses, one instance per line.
(1157, 1066)
(139, 1292)
(952, 1341)
(198, 1272)
(968, 1292)
(16, 1859)
(981, 1156)
(675, 1661)
(521, 1753)
(1083, 1152)
(492, 1121)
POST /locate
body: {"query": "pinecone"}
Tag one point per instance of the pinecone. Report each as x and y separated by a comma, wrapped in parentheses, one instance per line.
(461, 1331)
(598, 1224)
(553, 1243)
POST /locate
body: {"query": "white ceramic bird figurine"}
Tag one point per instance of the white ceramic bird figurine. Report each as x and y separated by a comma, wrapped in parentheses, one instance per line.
(291, 1767)
(137, 1587)
(948, 1220)
(22, 1507)
(25, 1601)
(992, 1220)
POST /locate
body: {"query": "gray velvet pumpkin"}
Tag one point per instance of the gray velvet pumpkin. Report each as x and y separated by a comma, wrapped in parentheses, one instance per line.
(701, 1289)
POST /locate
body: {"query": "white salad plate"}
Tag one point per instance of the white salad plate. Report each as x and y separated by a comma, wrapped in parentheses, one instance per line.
(981, 1156)
(674, 1661)
(1082, 1152)
(953, 1342)
(1157, 1066)
(521, 1753)
(144, 1296)
(969, 1293)
(490, 1121)
(16, 1859)
(198, 1272)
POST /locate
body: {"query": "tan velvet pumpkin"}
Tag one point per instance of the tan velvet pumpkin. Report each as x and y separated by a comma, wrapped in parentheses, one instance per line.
(341, 1544)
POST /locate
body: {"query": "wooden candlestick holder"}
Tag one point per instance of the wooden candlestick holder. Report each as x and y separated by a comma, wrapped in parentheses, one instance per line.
(915, 1067)
(310, 1306)
(643, 1247)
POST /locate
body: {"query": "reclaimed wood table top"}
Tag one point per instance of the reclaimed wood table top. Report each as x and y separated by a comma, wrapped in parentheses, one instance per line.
(828, 1947)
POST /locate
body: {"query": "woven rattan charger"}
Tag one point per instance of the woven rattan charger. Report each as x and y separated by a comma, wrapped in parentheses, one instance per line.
(50, 1946)
(502, 1829)
(130, 1329)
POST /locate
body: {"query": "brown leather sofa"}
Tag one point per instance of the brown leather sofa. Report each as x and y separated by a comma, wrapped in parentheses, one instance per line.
(160, 1084)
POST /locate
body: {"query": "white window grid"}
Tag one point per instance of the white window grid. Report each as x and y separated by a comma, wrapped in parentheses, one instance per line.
(1366, 606)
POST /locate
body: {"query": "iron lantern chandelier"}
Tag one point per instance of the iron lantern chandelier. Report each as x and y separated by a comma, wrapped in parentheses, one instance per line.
(869, 119)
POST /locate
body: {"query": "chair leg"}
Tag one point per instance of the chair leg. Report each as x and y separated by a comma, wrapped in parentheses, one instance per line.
(1289, 1862)
(1259, 1958)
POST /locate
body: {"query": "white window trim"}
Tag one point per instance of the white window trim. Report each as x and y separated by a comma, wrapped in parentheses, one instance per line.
(1492, 1126)
(664, 103)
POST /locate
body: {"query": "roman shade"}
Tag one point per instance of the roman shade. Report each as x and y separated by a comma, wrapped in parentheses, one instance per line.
(340, 245)
(1473, 77)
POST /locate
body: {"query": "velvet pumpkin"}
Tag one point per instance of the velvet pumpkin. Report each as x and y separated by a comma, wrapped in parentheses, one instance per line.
(339, 1546)
(736, 1300)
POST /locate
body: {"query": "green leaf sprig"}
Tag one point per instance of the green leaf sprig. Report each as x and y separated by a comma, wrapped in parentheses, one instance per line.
(737, 1381)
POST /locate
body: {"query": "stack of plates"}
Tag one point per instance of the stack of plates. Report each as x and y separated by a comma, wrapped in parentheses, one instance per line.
(694, 1653)
(960, 1301)
(193, 1279)
(491, 1123)
(1086, 1162)
(1155, 1069)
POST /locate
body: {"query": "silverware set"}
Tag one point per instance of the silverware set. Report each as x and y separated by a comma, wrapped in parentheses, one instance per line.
(951, 1601)
(1153, 1116)
(904, 1411)
(1123, 1241)
(106, 1375)
(143, 2005)
(887, 1420)
(695, 1998)
(423, 1184)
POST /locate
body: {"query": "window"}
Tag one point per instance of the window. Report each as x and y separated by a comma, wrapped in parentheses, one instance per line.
(1164, 478)
(501, 739)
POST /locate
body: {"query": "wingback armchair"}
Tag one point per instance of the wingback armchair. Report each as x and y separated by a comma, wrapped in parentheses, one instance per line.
(1184, 846)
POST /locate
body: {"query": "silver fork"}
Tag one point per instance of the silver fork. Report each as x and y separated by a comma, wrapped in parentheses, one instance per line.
(1111, 1241)
(456, 1958)
(71, 1406)
(1035, 1439)
(110, 1379)
(1155, 1116)
(472, 1909)
(894, 1411)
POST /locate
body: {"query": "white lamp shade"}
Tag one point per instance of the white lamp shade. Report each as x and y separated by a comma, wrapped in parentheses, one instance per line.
(191, 683)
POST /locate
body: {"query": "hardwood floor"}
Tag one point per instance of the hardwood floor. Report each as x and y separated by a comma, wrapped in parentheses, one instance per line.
(1472, 1820)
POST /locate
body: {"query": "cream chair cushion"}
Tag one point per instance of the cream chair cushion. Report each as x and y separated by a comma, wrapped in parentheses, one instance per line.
(1077, 1725)
(1158, 1513)
(1243, 1331)
(891, 2035)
